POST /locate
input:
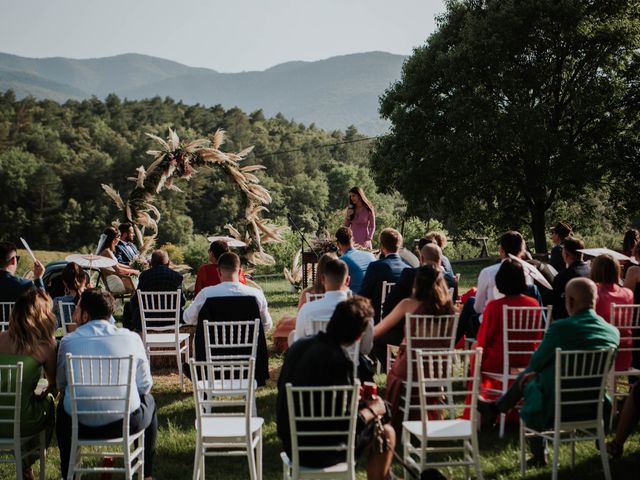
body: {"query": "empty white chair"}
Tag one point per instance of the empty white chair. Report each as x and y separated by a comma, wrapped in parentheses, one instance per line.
(580, 382)
(424, 332)
(105, 384)
(160, 316)
(235, 340)
(5, 313)
(440, 372)
(224, 423)
(627, 319)
(66, 314)
(332, 411)
(10, 409)
(522, 331)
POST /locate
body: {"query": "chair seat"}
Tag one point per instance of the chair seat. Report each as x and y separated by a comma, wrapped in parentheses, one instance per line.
(228, 427)
(337, 468)
(440, 429)
(162, 339)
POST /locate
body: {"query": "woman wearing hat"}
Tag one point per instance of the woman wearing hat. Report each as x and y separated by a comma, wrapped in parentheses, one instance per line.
(559, 232)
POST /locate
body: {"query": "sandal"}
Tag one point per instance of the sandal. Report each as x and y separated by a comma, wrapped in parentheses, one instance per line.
(614, 449)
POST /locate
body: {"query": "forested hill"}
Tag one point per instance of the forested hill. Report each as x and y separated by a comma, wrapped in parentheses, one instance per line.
(333, 93)
(54, 157)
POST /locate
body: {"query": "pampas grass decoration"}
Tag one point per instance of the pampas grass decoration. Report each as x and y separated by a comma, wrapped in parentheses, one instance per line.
(181, 159)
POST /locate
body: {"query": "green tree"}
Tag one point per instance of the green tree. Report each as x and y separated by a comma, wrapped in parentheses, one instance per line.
(511, 106)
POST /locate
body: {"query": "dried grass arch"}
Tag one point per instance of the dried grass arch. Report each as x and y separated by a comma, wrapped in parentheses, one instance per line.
(177, 158)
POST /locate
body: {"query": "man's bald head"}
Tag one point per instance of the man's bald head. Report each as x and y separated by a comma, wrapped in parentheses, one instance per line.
(431, 253)
(580, 294)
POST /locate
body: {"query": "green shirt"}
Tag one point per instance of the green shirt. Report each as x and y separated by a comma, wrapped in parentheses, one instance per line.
(35, 411)
(584, 331)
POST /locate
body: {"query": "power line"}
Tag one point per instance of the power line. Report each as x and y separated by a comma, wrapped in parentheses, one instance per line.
(312, 147)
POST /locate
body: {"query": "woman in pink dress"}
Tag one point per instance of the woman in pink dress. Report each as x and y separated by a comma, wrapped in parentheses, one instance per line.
(605, 271)
(361, 217)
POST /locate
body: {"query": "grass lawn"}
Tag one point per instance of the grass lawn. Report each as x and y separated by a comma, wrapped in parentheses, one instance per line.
(176, 437)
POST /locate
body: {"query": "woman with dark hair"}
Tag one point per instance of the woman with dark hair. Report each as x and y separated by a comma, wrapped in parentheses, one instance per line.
(74, 280)
(430, 296)
(510, 282)
(629, 241)
(30, 340)
(119, 270)
(605, 272)
(361, 217)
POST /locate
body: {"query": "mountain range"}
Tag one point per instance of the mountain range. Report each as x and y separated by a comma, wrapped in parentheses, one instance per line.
(333, 93)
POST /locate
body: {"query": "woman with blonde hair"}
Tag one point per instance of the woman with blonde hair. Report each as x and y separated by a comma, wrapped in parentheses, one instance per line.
(361, 217)
(317, 287)
(30, 340)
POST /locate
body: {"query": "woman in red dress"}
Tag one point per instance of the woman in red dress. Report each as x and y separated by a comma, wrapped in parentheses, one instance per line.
(605, 271)
(510, 282)
(208, 275)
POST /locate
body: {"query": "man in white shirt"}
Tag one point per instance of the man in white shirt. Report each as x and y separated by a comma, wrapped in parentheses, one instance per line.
(336, 283)
(510, 243)
(97, 336)
(229, 269)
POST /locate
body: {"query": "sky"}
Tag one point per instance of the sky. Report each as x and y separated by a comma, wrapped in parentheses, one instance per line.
(230, 36)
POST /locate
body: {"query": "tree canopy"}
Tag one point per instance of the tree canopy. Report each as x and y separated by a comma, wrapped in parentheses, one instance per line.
(512, 106)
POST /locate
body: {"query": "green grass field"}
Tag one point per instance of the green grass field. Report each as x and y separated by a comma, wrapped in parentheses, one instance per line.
(176, 438)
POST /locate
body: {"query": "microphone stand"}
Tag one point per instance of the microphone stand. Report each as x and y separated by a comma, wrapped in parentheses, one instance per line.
(303, 240)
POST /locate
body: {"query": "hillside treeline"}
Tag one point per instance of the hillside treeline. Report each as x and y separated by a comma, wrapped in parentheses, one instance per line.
(54, 157)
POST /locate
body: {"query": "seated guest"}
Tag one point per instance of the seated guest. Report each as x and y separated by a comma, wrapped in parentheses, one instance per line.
(30, 340)
(283, 334)
(559, 233)
(158, 278)
(229, 271)
(511, 243)
(12, 286)
(629, 242)
(317, 287)
(429, 254)
(430, 296)
(207, 275)
(582, 330)
(126, 250)
(123, 272)
(97, 336)
(575, 268)
(605, 271)
(320, 361)
(510, 281)
(387, 269)
(356, 260)
(439, 239)
(627, 422)
(74, 280)
(335, 280)
(632, 278)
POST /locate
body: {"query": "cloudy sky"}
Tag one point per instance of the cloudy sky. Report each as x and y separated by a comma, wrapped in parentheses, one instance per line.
(229, 36)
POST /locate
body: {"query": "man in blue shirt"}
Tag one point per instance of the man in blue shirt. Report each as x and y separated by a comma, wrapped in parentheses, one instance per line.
(356, 260)
(97, 336)
(12, 286)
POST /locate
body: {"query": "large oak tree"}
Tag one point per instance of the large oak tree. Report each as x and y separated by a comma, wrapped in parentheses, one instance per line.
(512, 105)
